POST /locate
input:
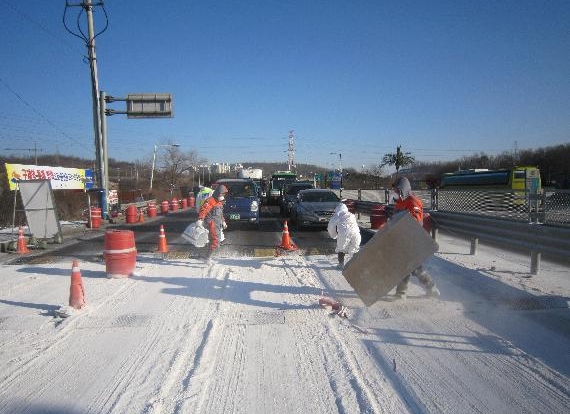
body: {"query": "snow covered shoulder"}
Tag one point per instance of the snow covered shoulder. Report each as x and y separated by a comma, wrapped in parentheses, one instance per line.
(244, 335)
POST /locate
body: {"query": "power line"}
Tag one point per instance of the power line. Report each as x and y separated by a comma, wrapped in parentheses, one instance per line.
(35, 110)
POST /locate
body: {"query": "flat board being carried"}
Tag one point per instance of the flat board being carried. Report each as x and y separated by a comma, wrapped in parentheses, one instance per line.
(391, 254)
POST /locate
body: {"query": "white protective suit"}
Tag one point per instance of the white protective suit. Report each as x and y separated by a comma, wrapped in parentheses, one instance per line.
(344, 228)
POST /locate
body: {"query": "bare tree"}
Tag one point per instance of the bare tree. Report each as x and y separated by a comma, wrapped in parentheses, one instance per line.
(376, 171)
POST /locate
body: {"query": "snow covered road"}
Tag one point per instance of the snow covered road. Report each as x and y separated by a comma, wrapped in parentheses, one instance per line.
(244, 335)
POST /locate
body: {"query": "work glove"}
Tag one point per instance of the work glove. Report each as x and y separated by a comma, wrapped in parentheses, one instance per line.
(224, 225)
(200, 223)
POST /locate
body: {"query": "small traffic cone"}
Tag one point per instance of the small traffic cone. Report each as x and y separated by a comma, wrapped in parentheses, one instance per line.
(162, 246)
(22, 245)
(76, 291)
(286, 240)
(141, 216)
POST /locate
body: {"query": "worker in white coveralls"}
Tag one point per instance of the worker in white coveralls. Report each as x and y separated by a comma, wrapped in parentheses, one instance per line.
(344, 228)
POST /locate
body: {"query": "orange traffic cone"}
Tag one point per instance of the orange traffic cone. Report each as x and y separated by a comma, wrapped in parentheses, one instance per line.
(141, 216)
(76, 291)
(22, 245)
(285, 240)
(162, 246)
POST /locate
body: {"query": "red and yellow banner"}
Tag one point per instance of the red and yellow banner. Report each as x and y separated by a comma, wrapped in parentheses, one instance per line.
(61, 178)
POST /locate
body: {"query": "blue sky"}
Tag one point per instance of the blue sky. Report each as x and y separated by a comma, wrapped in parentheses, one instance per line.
(442, 79)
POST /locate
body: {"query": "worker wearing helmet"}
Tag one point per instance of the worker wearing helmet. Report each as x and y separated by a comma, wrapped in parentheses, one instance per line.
(212, 216)
(406, 200)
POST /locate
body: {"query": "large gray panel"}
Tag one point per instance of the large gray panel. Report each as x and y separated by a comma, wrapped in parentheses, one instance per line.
(37, 197)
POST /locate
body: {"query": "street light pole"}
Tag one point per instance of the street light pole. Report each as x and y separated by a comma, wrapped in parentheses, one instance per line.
(339, 168)
(154, 161)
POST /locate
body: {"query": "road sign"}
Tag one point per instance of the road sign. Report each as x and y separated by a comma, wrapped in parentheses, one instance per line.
(149, 105)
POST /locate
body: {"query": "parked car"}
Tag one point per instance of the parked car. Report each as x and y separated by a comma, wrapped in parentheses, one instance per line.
(290, 195)
(242, 200)
(313, 208)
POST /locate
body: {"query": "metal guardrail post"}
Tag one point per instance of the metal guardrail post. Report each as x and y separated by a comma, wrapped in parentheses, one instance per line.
(474, 246)
(534, 263)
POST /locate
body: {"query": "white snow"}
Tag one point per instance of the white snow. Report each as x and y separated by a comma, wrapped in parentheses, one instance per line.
(247, 335)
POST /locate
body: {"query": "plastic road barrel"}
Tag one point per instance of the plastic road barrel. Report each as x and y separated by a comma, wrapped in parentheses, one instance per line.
(184, 203)
(132, 214)
(174, 204)
(120, 253)
(164, 207)
(191, 200)
(151, 210)
(95, 219)
(378, 217)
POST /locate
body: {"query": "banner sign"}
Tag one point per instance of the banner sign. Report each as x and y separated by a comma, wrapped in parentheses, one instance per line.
(60, 178)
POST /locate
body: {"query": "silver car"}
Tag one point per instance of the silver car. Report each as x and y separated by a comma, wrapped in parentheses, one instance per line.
(313, 208)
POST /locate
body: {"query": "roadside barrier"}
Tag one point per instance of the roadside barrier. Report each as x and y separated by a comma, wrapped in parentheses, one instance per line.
(191, 201)
(120, 253)
(378, 216)
(131, 214)
(151, 210)
(164, 207)
(95, 218)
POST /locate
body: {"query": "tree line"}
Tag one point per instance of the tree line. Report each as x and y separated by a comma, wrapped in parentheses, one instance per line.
(177, 172)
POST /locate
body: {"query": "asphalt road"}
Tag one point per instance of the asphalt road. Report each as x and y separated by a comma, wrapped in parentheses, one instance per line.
(241, 239)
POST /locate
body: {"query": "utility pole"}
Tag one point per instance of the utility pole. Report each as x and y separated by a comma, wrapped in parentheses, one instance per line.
(291, 150)
(100, 150)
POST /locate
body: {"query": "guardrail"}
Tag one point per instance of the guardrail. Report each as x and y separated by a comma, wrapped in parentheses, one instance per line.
(137, 204)
(536, 238)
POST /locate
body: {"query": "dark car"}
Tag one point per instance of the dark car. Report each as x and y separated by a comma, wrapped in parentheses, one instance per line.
(241, 201)
(290, 195)
(314, 208)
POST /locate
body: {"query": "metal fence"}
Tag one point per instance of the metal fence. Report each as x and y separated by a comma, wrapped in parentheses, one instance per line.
(549, 207)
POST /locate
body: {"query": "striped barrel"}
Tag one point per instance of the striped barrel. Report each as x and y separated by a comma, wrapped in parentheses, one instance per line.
(120, 253)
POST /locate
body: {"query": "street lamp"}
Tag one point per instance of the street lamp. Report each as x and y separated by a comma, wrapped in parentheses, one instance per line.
(340, 169)
(154, 160)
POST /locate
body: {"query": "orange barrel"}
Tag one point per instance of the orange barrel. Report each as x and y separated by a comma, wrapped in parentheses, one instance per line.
(164, 207)
(95, 222)
(132, 213)
(184, 204)
(174, 205)
(120, 253)
(151, 209)
(378, 216)
(427, 222)
(351, 205)
(191, 200)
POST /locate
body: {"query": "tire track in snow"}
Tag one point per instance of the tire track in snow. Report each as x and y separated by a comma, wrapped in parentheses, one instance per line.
(181, 386)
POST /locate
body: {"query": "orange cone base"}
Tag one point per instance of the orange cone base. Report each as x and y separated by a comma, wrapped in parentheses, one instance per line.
(288, 246)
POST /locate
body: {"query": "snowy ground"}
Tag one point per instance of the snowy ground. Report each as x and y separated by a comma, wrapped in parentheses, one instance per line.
(244, 335)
